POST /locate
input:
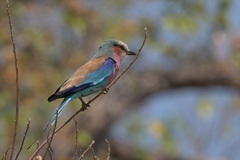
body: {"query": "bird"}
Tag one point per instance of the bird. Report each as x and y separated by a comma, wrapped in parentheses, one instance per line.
(92, 77)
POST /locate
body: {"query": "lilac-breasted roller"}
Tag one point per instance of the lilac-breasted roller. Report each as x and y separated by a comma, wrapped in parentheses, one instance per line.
(93, 76)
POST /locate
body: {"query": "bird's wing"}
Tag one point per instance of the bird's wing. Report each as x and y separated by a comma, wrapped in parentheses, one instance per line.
(91, 73)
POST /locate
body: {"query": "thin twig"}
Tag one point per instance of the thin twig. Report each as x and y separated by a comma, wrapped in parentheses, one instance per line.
(17, 86)
(58, 129)
(89, 147)
(50, 155)
(93, 153)
(51, 137)
(108, 157)
(83, 109)
(5, 154)
(76, 144)
(48, 135)
(37, 144)
(25, 134)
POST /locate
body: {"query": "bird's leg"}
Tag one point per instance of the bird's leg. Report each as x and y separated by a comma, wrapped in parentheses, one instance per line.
(84, 105)
(105, 90)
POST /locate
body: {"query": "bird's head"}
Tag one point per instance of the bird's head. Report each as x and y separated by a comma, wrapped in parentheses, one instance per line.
(115, 49)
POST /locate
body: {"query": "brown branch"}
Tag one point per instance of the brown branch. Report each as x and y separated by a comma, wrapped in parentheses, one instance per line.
(23, 140)
(83, 109)
(58, 129)
(108, 157)
(5, 154)
(37, 144)
(76, 144)
(50, 155)
(93, 153)
(17, 86)
(51, 137)
(89, 147)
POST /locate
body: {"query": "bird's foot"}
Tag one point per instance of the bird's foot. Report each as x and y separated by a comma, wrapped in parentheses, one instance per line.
(84, 105)
(105, 90)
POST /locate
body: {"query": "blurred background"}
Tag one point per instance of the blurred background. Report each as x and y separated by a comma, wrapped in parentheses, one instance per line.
(179, 101)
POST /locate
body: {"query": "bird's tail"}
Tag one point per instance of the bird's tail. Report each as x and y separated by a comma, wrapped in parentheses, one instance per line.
(60, 109)
(53, 119)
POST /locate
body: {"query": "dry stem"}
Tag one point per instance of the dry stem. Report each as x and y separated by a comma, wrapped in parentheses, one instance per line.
(17, 86)
(23, 140)
(51, 137)
(76, 144)
(89, 147)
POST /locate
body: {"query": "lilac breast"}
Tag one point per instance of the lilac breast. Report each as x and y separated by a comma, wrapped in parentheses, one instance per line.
(114, 73)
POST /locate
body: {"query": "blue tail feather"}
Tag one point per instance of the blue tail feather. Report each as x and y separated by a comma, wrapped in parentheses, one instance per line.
(53, 119)
(60, 109)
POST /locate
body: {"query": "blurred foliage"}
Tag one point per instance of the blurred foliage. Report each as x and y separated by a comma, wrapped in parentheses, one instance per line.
(205, 109)
(53, 38)
(184, 19)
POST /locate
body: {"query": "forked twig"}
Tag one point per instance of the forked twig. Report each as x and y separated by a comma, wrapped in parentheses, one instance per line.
(89, 147)
(109, 149)
(83, 109)
(23, 140)
(51, 137)
(76, 144)
(17, 86)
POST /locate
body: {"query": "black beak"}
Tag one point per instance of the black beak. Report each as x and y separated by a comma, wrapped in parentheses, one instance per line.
(130, 53)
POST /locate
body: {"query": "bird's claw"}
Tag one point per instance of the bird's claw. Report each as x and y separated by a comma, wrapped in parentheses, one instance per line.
(85, 106)
(105, 90)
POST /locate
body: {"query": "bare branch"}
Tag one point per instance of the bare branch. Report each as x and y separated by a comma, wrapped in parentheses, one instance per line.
(17, 86)
(51, 137)
(37, 144)
(76, 144)
(83, 108)
(108, 157)
(5, 154)
(50, 155)
(93, 153)
(25, 134)
(89, 147)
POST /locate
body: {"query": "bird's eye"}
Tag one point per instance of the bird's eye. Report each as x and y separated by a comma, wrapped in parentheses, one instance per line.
(122, 48)
(100, 47)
